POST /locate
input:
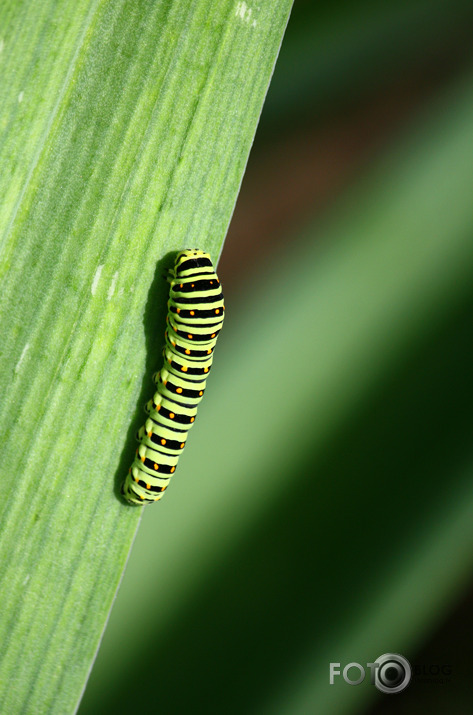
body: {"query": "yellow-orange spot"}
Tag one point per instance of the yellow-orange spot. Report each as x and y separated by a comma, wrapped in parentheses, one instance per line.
(192, 312)
(158, 407)
(192, 419)
(217, 311)
(211, 283)
(136, 479)
(181, 285)
(182, 445)
(213, 335)
(173, 469)
(170, 361)
(208, 352)
(171, 415)
(163, 442)
(179, 390)
(178, 310)
(184, 368)
(143, 458)
(173, 344)
(148, 486)
(141, 497)
(188, 352)
(189, 336)
(201, 393)
(156, 467)
(206, 369)
(149, 433)
(192, 285)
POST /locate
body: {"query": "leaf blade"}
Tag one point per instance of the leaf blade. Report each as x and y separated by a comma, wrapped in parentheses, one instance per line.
(140, 152)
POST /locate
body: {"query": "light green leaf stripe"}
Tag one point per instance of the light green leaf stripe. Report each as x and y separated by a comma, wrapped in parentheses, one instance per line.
(125, 129)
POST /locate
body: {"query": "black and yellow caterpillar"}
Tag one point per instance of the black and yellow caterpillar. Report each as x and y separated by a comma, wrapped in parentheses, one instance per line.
(195, 318)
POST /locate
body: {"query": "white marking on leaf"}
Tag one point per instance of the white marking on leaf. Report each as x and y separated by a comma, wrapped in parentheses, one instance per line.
(20, 97)
(244, 13)
(95, 282)
(22, 357)
(111, 289)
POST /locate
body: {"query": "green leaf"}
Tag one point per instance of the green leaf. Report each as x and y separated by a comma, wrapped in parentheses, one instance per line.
(125, 132)
(336, 521)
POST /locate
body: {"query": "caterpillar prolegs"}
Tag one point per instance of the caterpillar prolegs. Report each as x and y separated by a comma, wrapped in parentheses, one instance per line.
(195, 318)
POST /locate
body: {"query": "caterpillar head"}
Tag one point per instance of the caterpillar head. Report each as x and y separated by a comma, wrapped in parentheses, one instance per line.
(198, 258)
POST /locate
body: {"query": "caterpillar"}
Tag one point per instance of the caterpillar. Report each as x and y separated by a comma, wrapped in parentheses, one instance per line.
(194, 320)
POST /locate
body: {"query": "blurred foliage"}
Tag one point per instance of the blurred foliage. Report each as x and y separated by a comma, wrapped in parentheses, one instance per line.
(323, 510)
(337, 53)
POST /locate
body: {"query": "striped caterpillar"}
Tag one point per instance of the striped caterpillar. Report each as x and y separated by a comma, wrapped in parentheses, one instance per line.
(195, 318)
